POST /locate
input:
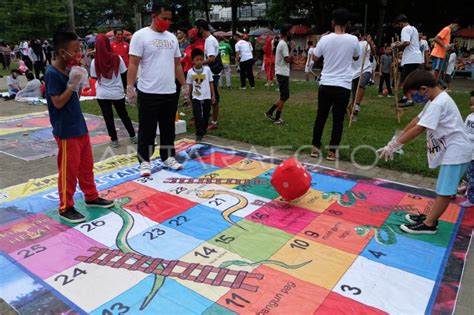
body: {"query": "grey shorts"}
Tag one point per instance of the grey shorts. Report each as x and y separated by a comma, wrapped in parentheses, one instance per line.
(364, 80)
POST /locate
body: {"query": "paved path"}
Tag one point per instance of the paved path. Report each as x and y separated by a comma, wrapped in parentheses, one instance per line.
(15, 171)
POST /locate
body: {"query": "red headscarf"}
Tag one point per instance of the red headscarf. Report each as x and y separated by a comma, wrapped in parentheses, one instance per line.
(106, 62)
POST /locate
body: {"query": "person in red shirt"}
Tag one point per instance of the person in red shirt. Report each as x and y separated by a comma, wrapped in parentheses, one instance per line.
(121, 47)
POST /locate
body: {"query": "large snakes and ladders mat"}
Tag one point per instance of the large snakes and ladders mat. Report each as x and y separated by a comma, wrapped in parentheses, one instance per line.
(29, 136)
(215, 238)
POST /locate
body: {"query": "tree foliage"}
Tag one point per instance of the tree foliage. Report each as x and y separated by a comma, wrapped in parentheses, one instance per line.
(27, 19)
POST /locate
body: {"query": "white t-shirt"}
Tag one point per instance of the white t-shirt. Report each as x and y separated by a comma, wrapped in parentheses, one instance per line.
(211, 47)
(281, 66)
(423, 48)
(109, 89)
(244, 48)
(158, 51)
(411, 53)
(451, 63)
(469, 123)
(309, 59)
(201, 83)
(357, 64)
(338, 51)
(12, 81)
(446, 139)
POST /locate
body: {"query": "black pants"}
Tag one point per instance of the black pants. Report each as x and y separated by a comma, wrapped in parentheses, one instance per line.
(216, 79)
(49, 57)
(385, 77)
(156, 110)
(201, 113)
(39, 68)
(27, 61)
(337, 98)
(246, 72)
(108, 113)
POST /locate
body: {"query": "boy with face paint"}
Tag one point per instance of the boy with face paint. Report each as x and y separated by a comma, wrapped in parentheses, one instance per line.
(157, 53)
(448, 146)
(75, 160)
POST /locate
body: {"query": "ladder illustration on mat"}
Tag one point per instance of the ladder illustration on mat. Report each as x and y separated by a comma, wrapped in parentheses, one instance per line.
(206, 274)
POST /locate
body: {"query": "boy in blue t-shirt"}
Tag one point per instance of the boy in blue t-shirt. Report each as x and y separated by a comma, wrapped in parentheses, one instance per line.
(75, 160)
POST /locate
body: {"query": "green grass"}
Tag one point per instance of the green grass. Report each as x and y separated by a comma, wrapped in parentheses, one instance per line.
(241, 118)
(13, 65)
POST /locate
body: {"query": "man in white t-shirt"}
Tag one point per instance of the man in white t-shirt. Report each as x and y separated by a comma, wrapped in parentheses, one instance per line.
(412, 57)
(244, 57)
(425, 51)
(339, 49)
(366, 47)
(156, 52)
(308, 69)
(282, 71)
(213, 60)
(450, 69)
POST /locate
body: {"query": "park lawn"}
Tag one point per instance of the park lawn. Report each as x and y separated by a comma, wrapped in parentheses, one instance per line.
(242, 118)
(3, 72)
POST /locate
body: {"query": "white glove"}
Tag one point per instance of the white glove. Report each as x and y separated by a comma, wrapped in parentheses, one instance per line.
(131, 95)
(78, 78)
(387, 152)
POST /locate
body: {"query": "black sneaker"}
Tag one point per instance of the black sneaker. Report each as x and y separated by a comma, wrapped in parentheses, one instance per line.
(415, 218)
(269, 116)
(71, 215)
(100, 203)
(419, 228)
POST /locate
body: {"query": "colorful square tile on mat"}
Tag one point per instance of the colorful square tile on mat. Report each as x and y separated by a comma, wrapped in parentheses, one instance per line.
(216, 238)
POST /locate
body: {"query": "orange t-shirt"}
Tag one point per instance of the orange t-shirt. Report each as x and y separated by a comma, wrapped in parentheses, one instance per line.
(445, 36)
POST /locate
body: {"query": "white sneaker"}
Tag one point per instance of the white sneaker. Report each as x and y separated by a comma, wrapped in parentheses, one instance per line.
(145, 169)
(357, 108)
(466, 204)
(172, 164)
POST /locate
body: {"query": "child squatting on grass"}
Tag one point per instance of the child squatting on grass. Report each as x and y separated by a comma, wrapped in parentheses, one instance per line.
(448, 146)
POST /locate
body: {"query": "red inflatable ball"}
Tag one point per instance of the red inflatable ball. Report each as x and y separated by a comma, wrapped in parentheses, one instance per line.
(291, 180)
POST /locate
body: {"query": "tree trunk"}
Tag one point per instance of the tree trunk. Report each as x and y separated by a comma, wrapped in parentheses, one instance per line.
(72, 24)
(206, 9)
(234, 7)
(380, 21)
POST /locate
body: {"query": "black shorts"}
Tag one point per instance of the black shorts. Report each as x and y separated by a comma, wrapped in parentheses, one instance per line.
(407, 69)
(284, 85)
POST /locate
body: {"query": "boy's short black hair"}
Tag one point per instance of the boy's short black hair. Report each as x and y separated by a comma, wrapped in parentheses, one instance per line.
(401, 18)
(285, 29)
(15, 71)
(340, 16)
(457, 21)
(196, 52)
(310, 43)
(417, 79)
(201, 23)
(62, 38)
(472, 93)
(30, 76)
(158, 6)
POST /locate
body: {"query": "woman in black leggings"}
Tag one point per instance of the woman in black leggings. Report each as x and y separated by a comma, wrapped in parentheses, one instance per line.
(107, 68)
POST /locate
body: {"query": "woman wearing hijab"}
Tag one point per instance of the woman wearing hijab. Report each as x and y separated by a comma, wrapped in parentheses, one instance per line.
(107, 69)
(269, 60)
